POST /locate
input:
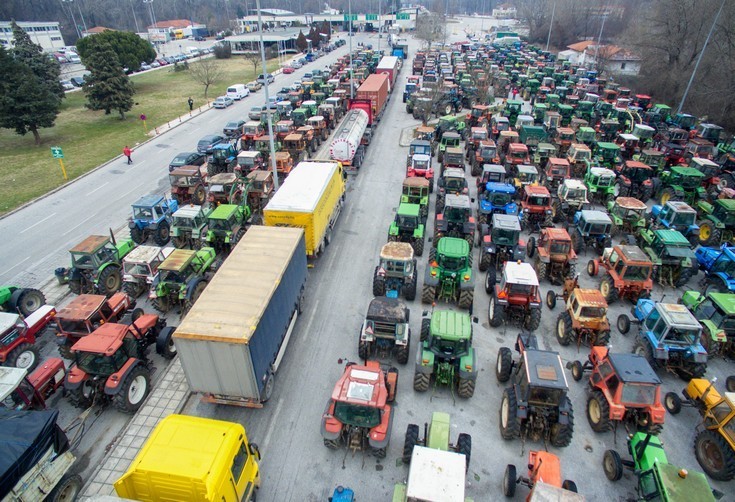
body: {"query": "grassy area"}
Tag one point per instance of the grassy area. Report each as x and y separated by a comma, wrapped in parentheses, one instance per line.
(90, 138)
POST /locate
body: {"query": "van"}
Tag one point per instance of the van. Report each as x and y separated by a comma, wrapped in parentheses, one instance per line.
(237, 91)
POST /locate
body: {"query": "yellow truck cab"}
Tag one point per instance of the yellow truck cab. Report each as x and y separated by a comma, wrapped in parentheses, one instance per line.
(196, 459)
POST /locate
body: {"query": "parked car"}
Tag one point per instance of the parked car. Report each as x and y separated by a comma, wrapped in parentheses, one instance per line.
(233, 128)
(77, 81)
(254, 86)
(223, 102)
(308, 75)
(288, 70)
(67, 85)
(199, 39)
(155, 64)
(262, 79)
(296, 65)
(145, 67)
(73, 58)
(187, 159)
(256, 111)
(206, 144)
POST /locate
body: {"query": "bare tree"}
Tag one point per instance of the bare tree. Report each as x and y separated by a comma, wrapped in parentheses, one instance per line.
(206, 72)
(254, 59)
(430, 28)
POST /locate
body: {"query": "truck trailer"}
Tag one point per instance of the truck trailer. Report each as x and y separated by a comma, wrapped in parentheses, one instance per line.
(311, 198)
(232, 340)
(372, 97)
(390, 65)
(350, 139)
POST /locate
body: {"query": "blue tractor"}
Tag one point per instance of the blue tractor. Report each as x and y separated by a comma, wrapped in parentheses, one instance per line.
(152, 216)
(718, 265)
(669, 337)
(677, 215)
(590, 227)
(497, 198)
(342, 494)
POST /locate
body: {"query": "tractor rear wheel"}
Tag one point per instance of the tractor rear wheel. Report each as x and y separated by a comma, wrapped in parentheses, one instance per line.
(465, 299)
(692, 370)
(666, 195)
(75, 287)
(138, 235)
(418, 246)
(364, 349)
(561, 434)
(643, 349)
(564, 329)
(464, 446)
(556, 211)
(134, 390)
(598, 412)
(428, 294)
(577, 241)
(199, 195)
(110, 280)
(83, 396)
(162, 304)
(27, 300)
(466, 388)
(509, 481)
(198, 289)
(612, 464)
(66, 489)
(510, 426)
(439, 203)
(486, 261)
(608, 289)
(715, 456)
(504, 365)
(491, 279)
(601, 338)
(411, 440)
(403, 351)
(421, 382)
(65, 350)
(425, 329)
(378, 284)
(332, 444)
(134, 289)
(709, 234)
(684, 275)
(533, 319)
(409, 287)
(540, 269)
(162, 234)
(24, 356)
(475, 168)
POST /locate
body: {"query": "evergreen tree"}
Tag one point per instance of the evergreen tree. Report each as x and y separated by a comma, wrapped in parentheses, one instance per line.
(107, 87)
(46, 69)
(301, 42)
(131, 50)
(325, 29)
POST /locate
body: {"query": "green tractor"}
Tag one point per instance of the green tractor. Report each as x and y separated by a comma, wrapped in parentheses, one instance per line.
(679, 183)
(449, 140)
(607, 155)
(23, 300)
(674, 263)
(226, 226)
(451, 123)
(189, 225)
(436, 436)
(511, 110)
(446, 353)
(407, 226)
(628, 216)
(96, 265)
(716, 313)
(449, 275)
(182, 277)
(415, 190)
(717, 225)
(600, 182)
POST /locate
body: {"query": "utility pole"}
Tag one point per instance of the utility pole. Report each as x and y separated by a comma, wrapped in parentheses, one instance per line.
(73, 18)
(135, 18)
(599, 38)
(269, 116)
(551, 24)
(350, 35)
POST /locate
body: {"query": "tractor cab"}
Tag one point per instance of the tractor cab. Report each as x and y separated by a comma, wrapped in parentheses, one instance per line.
(517, 154)
(628, 214)
(551, 121)
(419, 146)
(525, 176)
(284, 108)
(557, 170)
(420, 166)
(563, 139)
(283, 128)
(579, 156)
(586, 135)
(248, 161)
(653, 158)
(711, 171)
(709, 132)
(628, 144)
(543, 152)
(519, 284)
(697, 147)
(260, 189)
(497, 198)
(607, 155)
(491, 173)
(677, 215)
(499, 124)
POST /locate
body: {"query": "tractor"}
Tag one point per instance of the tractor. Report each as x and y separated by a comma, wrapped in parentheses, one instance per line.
(296, 146)
(679, 183)
(455, 220)
(590, 227)
(486, 153)
(20, 390)
(226, 225)
(18, 337)
(571, 197)
(284, 165)
(714, 445)
(446, 353)
(491, 173)
(23, 300)
(500, 242)
(536, 212)
(579, 157)
(396, 273)
(676, 215)
(716, 313)
(421, 167)
(516, 300)
(536, 405)
(189, 225)
(436, 436)
(600, 182)
(669, 337)
(434, 475)
(674, 263)
(407, 226)
(152, 216)
(628, 217)
(449, 275)
(420, 147)
(628, 273)
(557, 170)
(140, 267)
(448, 140)
(182, 277)
(259, 190)
(584, 319)
(222, 159)
(543, 478)
(477, 136)
(497, 198)
(607, 155)
(634, 179)
(385, 330)
(111, 364)
(96, 265)
(524, 177)
(623, 388)
(552, 255)
(358, 413)
(225, 188)
(247, 162)
(452, 181)
(657, 479)
(517, 154)
(251, 131)
(416, 191)
(188, 185)
(717, 223)
(718, 265)
(543, 153)
(452, 158)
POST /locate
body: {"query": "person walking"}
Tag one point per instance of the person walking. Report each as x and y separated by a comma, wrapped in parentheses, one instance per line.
(515, 92)
(191, 104)
(127, 152)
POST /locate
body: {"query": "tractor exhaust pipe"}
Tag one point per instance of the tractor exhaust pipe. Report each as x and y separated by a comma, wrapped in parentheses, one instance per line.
(112, 238)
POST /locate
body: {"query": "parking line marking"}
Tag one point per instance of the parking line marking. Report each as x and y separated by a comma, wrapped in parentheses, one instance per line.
(17, 264)
(272, 424)
(311, 319)
(37, 223)
(93, 191)
(79, 224)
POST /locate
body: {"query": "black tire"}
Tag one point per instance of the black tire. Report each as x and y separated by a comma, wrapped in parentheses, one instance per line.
(602, 338)
(466, 388)
(564, 329)
(693, 370)
(24, 356)
(509, 481)
(162, 304)
(643, 349)
(199, 195)
(403, 351)
(504, 364)
(67, 489)
(531, 247)
(486, 261)
(65, 350)
(684, 275)
(465, 299)
(571, 271)
(138, 235)
(551, 299)
(411, 440)
(110, 280)
(270, 383)
(541, 269)
(364, 349)
(577, 371)
(510, 426)
(612, 465)
(569, 486)
(180, 242)
(165, 343)
(198, 289)
(130, 397)
(428, 294)
(651, 428)
(378, 284)
(75, 287)
(598, 412)
(83, 396)
(418, 246)
(496, 312)
(409, 288)
(421, 382)
(464, 446)
(133, 289)
(730, 384)
(577, 241)
(715, 456)
(533, 319)
(27, 301)
(332, 444)
(491, 279)
(623, 324)
(608, 289)
(425, 329)
(561, 434)
(556, 212)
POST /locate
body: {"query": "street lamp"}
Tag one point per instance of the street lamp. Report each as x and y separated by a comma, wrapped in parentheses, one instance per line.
(350, 35)
(135, 18)
(152, 12)
(73, 19)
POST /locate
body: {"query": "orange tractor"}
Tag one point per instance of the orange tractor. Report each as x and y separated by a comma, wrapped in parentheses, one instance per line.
(544, 475)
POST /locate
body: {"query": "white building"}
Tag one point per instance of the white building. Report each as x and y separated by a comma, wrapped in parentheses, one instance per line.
(504, 11)
(617, 61)
(47, 35)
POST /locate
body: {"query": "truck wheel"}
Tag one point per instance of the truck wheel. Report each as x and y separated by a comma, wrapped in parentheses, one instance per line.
(464, 446)
(411, 440)
(612, 465)
(496, 313)
(270, 383)
(598, 412)
(110, 280)
(138, 235)
(465, 299)
(623, 324)
(421, 382)
(509, 481)
(564, 329)
(378, 284)
(133, 390)
(715, 456)
(425, 329)
(466, 388)
(561, 434)
(163, 234)
(510, 427)
(24, 356)
(428, 294)
(504, 365)
(27, 300)
(66, 489)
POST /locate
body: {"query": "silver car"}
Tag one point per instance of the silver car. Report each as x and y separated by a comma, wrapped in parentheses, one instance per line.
(222, 102)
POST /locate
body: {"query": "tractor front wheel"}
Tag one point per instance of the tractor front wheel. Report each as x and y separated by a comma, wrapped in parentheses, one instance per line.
(425, 329)
(666, 195)
(409, 287)
(715, 456)
(411, 440)
(577, 371)
(598, 412)
(464, 447)
(24, 356)
(403, 352)
(179, 241)
(612, 464)
(466, 388)
(163, 234)
(28, 300)
(138, 235)
(496, 313)
(332, 444)
(564, 329)
(608, 289)
(510, 426)
(541, 268)
(601, 338)
(623, 324)
(504, 365)
(418, 246)
(510, 478)
(134, 390)
(643, 349)
(162, 304)
(533, 319)
(110, 280)
(672, 403)
(421, 382)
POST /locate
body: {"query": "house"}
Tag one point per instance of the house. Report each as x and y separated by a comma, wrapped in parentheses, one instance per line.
(96, 30)
(575, 52)
(616, 60)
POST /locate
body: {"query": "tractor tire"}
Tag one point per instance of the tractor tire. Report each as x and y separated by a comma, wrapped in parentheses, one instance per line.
(623, 324)
(465, 299)
(67, 489)
(715, 456)
(437, 236)
(548, 222)
(411, 439)
(162, 234)
(486, 261)
(83, 396)
(439, 204)
(540, 268)
(577, 241)
(709, 234)
(110, 280)
(464, 447)
(332, 444)
(418, 246)
(643, 348)
(165, 343)
(471, 242)
(65, 350)
(364, 349)
(162, 304)
(510, 479)
(666, 195)
(403, 352)
(409, 288)
(378, 284)
(133, 289)
(425, 329)
(476, 169)
(672, 403)
(564, 329)
(431, 185)
(602, 339)
(421, 382)
(466, 388)
(652, 429)
(693, 370)
(138, 235)
(550, 299)
(531, 247)
(684, 275)
(199, 196)
(612, 464)
(556, 212)
(198, 289)
(496, 312)
(577, 371)
(569, 486)
(134, 390)
(504, 365)
(561, 434)
(571, 271)
(27, 301)
(510, 426)
(24, 356)
(428, 294)
(730, 383)
(75, 287)
(598, 412)
(378, 452)
(608, 289)
(180, 242)
(238, 237)
(491, 279)
(533, 320)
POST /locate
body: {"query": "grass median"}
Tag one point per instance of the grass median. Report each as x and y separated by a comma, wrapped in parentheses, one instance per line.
(90, 138)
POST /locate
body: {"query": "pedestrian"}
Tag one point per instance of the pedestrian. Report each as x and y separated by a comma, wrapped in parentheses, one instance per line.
(515, 92)
(127, 152)
(191, 104)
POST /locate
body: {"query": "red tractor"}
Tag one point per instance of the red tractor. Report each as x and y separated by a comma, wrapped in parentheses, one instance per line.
(517, 155)
(623, 388)
(18, 337)
(557, 170)
(628, 271)
(23, 391)
(358, 414)
(544, 472)
(552, 255)
(477, 136)
(536, 208)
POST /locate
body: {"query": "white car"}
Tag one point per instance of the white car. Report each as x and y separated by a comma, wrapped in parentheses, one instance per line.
(223, 102)
(296, 65)
(296, 86)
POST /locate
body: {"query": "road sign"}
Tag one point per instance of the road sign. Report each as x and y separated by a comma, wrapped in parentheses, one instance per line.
(142, 116)
(349, 17)
(371, 17)
(56, 152)
(403, 16)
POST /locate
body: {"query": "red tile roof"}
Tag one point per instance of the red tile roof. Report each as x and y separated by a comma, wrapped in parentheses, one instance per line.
(580, 46)
(175, 23)
(98, 29)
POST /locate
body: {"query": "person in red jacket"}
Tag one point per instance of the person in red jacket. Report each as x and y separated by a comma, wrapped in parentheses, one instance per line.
(127, 152)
